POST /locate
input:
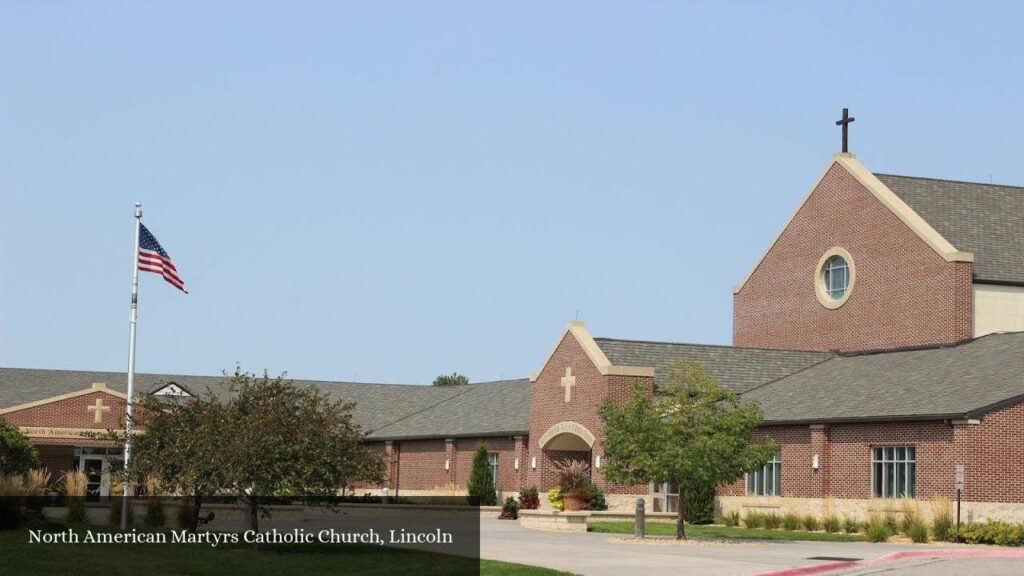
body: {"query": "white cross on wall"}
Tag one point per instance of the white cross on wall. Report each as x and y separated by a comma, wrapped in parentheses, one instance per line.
(568, 381)
(98, 409)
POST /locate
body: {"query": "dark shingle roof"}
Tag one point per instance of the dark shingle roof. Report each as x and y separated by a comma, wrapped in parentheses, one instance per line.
(985, 219)
(403, 408)
(962, 380)
(738, 369)
(491, 408)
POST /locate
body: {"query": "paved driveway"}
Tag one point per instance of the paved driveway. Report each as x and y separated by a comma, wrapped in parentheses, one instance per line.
(607, 554)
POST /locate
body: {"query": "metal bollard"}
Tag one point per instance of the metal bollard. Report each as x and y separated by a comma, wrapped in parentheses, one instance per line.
(638, 530)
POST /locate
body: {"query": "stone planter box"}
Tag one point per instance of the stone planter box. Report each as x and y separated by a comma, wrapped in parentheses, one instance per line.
(554, 521)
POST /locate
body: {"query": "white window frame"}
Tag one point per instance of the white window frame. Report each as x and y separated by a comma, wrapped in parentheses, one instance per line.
(492, 460)
(889, 460)
(755, 483)
(828, 274)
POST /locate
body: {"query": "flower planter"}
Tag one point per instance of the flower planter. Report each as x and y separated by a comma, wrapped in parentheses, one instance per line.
(574, 503)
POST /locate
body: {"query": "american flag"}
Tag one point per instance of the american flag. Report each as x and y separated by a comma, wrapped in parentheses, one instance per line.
(153, 258)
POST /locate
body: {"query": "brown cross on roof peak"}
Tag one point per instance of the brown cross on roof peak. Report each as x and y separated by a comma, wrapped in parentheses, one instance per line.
(845, 123)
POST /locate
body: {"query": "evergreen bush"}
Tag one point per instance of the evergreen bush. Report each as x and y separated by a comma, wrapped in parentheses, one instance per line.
(482, 491)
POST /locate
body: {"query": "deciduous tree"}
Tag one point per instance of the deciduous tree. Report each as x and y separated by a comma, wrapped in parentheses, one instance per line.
(453, 379)
(17, 454)
(691, 432)
(290, 440)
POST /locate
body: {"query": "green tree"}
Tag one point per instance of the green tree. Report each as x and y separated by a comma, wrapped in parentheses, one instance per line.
(290, 440)
(454, 379)
(181, 448)
(482, 491)
(692, 432)
(17, 454)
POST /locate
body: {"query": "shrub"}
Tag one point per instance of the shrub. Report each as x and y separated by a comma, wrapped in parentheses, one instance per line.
(917, 531)
(595, 498)
(731, 519)
(481, 484)
(851, 526)
(772, 521)
(877, 528)
(942, 518)
(12, 489)
(831, 524)
(753, 520)
(17, 454)
(155, 516)
(509, 510)
(185, 512)
(791, 521)
(114, 516)
(74, 488)
(998, 533)
(529, 499)
(911, 515)
(891, 521)
(556, 498)
(810, 523)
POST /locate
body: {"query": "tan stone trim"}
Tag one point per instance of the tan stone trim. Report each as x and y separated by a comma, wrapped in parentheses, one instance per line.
(889, 199)
(96, 387)
(47, 432)
(965, 421)
(579, 331)
(567, 427)
(819, 278)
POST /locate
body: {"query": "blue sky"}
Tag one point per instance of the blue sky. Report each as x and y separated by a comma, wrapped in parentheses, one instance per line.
(389, 191)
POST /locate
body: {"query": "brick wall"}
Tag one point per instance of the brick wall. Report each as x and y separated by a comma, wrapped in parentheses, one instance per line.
(548, 407)
(993, 456)
(991, 453)
(905, 294)
(56, 459)
(72, 413)
(419, 464)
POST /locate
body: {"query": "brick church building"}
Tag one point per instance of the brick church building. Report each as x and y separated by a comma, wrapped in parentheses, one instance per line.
(880, 332)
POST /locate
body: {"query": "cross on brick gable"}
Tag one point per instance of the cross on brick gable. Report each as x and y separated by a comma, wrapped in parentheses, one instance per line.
(568, 381)
(98, 409)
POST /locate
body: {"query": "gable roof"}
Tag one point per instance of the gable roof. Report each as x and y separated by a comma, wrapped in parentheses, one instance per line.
(738, 369)
(947, 382)
(986, 219)
(900, 208)
(377, 406)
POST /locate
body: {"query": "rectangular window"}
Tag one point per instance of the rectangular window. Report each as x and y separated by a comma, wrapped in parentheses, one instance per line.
(493, 459)
(768, 480)
(893, 471)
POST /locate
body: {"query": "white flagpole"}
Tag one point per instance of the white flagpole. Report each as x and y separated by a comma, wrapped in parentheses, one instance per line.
(132, 319)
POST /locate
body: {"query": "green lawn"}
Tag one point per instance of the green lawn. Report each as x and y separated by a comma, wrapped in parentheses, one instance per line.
(19, 558)
(699, 531)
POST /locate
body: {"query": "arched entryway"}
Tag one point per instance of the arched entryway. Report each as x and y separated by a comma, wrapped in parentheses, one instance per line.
(563, 442)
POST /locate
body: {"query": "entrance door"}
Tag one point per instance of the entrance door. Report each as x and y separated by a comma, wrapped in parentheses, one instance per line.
(95, 487)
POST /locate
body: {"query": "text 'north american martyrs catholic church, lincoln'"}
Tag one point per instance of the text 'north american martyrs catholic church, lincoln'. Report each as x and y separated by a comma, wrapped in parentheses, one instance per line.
(880, 333)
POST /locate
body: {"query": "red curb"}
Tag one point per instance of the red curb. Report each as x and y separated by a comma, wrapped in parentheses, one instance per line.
(815, 569)
(894, 557)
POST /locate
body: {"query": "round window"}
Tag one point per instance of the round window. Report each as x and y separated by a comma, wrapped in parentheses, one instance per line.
(835, 278)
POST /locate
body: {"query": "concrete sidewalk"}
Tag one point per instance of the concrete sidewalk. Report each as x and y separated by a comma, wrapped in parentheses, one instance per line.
(611, 555)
